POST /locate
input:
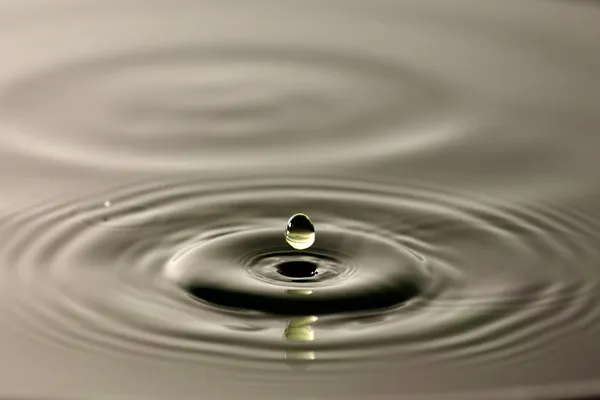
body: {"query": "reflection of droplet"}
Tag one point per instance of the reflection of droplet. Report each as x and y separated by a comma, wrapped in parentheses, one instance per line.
(299, 292)
(299, 330)
(300, 355)
(107, 203)
(300, 232)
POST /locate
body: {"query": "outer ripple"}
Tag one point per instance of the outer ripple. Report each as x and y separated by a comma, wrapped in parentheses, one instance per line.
(184, 270)
(221, 106)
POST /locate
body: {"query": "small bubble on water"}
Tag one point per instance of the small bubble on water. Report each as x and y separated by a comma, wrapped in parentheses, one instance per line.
(300, 232)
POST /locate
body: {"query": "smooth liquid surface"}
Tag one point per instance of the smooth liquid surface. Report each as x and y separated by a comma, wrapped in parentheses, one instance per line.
(150, 152)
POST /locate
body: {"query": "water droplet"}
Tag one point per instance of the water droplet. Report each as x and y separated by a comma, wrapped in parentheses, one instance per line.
(107, 203)
(300, 232)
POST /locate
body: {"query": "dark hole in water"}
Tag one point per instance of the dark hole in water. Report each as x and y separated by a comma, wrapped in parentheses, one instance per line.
(298, 269)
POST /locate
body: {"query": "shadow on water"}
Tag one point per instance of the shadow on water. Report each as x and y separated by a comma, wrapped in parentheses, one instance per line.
(383, 297)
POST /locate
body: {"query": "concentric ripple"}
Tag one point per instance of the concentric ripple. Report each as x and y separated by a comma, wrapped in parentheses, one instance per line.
(386, 274)
(218, 106)
(188, 86)
(187, 269)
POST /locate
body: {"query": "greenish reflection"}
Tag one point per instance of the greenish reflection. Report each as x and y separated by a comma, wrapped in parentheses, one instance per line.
(300, 356)
(299, 330)
(299, 292)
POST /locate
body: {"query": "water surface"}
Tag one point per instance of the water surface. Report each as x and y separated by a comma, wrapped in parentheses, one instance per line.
(151, 153)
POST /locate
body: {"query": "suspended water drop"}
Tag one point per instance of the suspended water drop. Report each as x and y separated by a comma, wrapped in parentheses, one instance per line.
(300, 232)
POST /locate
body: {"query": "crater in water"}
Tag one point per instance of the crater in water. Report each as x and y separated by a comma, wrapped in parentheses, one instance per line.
(298, 269)
(251, 271)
